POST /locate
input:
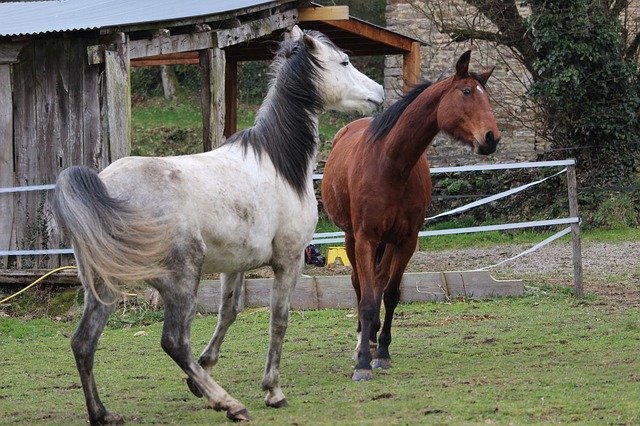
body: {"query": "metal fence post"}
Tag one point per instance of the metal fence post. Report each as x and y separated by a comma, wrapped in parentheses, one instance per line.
(572, 188)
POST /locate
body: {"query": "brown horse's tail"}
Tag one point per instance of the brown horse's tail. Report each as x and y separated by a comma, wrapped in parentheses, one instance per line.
(111, 241)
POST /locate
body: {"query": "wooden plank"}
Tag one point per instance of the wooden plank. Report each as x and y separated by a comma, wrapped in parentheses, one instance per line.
(95, 145)
(118, 101)
(6, 160)
(161, 44)
(212, 69)
(335, 292)
(160, 62)
(53, 132)
(572, 188)
(170, 59)
(231, 98)
(325, 13)
(321, 292)
(372, 32)
(9, 52)
(411, 67)
(258, 28)
(25, 147)
(27, 276)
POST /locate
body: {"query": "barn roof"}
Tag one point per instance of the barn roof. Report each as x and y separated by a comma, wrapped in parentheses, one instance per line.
(38, 17)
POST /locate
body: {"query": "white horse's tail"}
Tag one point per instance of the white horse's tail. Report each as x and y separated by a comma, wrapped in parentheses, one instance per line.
(111, 240)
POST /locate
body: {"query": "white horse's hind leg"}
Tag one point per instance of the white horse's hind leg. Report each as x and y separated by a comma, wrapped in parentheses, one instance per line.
(227, 313)
(84, 344)
(179, 292)
(283, 285)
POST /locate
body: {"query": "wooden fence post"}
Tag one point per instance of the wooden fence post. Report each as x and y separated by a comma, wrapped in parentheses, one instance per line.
(118, 99)
(212, 72)
(572, 188)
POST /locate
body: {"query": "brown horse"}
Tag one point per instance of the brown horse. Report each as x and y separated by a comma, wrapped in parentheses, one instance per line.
(377, 187)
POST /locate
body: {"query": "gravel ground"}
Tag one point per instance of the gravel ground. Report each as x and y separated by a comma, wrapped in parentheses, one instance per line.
(610, 270)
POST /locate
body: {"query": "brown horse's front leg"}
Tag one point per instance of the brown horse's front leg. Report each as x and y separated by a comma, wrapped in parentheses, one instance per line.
(398, 259)
(367, 306)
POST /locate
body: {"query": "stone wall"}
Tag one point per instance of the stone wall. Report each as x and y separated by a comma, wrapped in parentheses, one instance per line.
(414, 18)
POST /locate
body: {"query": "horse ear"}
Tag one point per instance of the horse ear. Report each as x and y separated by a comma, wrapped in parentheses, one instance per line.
(483, 77)
(296, 33)
(310, 42)
(462, 67)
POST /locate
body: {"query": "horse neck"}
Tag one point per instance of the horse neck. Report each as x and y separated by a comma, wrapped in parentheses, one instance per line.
(414, 131)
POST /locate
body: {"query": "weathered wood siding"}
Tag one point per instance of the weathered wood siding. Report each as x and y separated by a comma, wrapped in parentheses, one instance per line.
(6, 159)
(57, 124)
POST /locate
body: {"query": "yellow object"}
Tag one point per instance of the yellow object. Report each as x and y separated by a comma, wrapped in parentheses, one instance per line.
(335, 253)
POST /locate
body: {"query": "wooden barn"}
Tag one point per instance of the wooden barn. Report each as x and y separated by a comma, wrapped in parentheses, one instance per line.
(65, 85)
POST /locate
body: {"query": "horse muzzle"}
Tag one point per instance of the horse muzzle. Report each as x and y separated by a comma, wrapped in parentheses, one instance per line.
(489, 145)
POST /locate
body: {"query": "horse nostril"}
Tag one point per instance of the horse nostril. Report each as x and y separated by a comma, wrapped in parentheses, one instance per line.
(489, 138)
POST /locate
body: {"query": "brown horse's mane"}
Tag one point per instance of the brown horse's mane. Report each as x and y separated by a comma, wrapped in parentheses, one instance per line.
(382, 124)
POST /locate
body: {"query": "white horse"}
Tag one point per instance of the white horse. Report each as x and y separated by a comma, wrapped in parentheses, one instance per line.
(245, 204)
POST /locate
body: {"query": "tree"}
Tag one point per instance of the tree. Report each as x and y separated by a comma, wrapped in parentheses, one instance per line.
(582, 63)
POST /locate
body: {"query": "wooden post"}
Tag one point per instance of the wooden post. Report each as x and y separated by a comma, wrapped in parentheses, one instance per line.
(231, 98)
(118, 99)
(411, 67)
(212, 70)
(6, 159)
(572, 188)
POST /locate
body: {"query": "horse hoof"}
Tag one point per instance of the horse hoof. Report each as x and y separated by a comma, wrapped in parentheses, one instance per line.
(193, 388)
(278, 404)
(362, 375)
(112, 419)
(239, 416)
(384, 363)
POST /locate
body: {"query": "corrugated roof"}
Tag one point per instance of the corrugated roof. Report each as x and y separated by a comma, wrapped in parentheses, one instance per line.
(25, 18)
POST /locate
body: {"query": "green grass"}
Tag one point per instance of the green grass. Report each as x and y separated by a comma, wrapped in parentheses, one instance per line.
(165, 128)
(543, 358)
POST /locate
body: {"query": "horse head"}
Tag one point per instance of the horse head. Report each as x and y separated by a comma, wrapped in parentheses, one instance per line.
(465, 111)
(342, 86)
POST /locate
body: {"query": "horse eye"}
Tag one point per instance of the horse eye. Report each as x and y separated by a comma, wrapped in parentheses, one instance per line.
(466, 91)
(344, 63)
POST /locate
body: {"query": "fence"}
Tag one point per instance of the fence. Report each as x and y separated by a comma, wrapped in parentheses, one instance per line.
(336, 237)
(572, 220)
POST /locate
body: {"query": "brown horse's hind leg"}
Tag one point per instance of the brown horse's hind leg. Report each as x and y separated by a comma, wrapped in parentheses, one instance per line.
(401, 258)
(350, 247)
(84, 344)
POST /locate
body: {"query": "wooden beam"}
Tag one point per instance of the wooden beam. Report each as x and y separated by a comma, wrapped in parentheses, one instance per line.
(6, 160)
(325, 13)
(411, 67)
(161, 44)
(372, 32)
(572, 188)
(231, 98)
(322, 292)
(9, 52)
(117, 101)
(27, 276)
(256, 28)
(212, 69)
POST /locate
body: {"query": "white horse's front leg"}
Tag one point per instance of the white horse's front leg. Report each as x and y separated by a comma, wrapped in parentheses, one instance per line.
(285, 280)
(228, 311)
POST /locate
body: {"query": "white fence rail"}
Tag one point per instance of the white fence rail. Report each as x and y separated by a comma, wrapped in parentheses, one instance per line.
(338, 237)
